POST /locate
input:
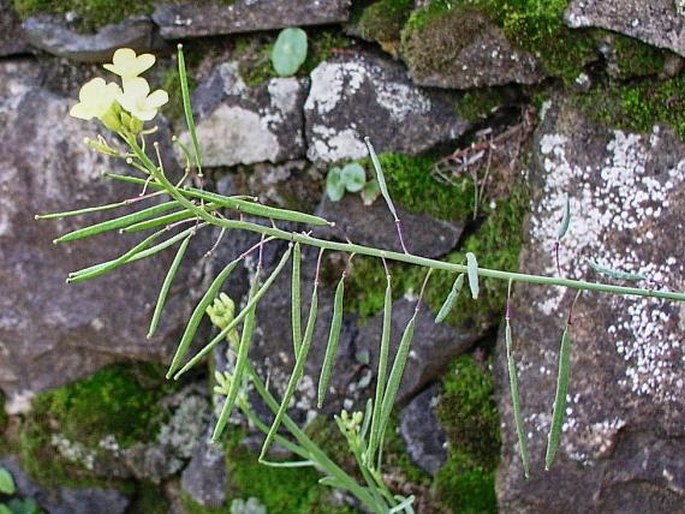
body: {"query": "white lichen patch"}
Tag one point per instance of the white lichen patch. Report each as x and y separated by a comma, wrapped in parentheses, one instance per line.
(73, 451)
(620, 209)
(334, 86)
(335, 145)
(593, 441)
(232, 135)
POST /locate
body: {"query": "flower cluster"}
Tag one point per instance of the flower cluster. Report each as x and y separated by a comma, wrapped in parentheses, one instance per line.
(121, 108)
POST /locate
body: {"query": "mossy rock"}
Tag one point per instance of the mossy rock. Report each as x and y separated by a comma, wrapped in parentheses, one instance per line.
(467, 411)
(638, 106)
(120, 400)
(382, 22)
(91, 14)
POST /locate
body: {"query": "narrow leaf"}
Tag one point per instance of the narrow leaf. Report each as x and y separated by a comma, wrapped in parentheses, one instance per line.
(187, 110)
(380, 177)
(396, 372)
(451, 298)
(238, 319)
(559, 411)
(366, 420)
(166, 284)
(516, 401)
(83, 275)
(333, 341)
(6, 482)
(296, 300)
(145, 253)
(472, 269)
(117, 223)
(376, 436)
(198, 314)
(243, 349)
(161, 221)
(296, 374)
(288, 464)
(78, 212)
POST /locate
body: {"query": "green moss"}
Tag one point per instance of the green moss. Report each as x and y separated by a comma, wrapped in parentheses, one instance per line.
(148, 499)
(383, 20)
(281, 490)
(413, 188)
(91, 13)
(322, 45)
(635, 58)
(120, 400)
(431, 40)
(477, 105)
(637, 107)
(466, 488)
(468, 413)
(254, 59)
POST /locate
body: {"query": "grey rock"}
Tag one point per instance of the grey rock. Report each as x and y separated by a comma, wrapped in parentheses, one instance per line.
(463, 50)
(656, 22)
(434, 346)
(422, 433)
(12, 40)
(622, 446)
(241, 125)
(52, 35)
(52, 333)
(205, 477)
(373, 225)
(63, 500)
(361, 95)
(209, 18)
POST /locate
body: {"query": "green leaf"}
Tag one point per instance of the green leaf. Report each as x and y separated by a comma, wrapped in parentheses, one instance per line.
(353, 176)
(6, 482)
(335, 189)
(296, 299)
(289, 51)
(451, 298)
(613, 273)
(4, 509)
(516, 401)
(333, 340)
(240, 364)
(559, 411)
(472, 269)
(166, 284)
(187, 109)
(370, 192)
(296, 374)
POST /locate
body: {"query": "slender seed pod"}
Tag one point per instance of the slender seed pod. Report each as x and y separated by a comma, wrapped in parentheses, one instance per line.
(559, 411)
(296, 300)
(472, 269)
(333, 341)
(166, 284)
(451, 299)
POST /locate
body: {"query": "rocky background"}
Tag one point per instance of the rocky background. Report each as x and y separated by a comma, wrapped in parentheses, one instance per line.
(487, 115)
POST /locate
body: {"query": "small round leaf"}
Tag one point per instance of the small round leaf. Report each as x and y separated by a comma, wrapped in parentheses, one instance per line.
(335, 189)
(289, 51)
(370, 192)
(6, 482)
(353, 176)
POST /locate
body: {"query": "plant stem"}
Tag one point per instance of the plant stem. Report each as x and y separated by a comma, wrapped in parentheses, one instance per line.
(581, 285)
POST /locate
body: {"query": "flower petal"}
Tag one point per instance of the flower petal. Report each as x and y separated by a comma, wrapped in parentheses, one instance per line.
(157, 98)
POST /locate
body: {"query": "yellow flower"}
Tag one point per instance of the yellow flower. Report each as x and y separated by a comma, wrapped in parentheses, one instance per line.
(127, 65)
(138, 100)
(97, 99)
